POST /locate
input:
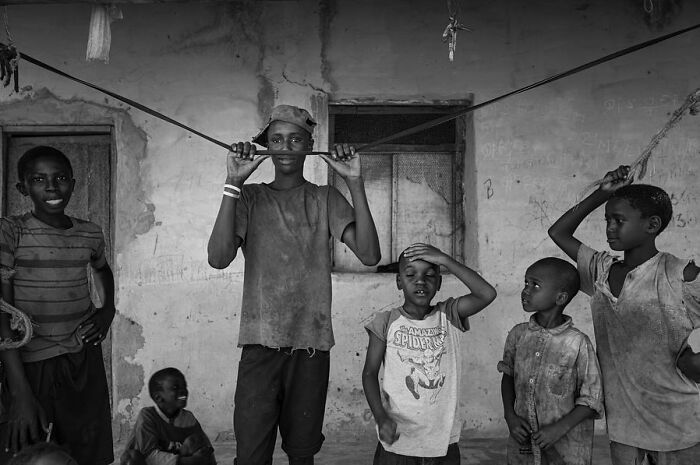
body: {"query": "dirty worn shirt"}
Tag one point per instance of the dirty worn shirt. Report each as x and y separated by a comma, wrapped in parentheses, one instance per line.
(422, 373)
(554, 370)
(649, 403)
(286, 243)
(159, 438)
(50, 279)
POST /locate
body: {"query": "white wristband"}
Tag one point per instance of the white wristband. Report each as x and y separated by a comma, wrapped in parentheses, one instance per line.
(231, 186)
(231, 194)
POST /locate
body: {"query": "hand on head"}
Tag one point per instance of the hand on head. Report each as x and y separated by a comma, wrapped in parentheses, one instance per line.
(425, 252)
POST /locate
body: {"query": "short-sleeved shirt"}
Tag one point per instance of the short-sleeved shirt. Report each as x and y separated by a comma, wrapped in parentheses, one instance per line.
(422, 373)
(159, 438)
(50, 279)
(554, 369)
(639, 334)
(286, 243)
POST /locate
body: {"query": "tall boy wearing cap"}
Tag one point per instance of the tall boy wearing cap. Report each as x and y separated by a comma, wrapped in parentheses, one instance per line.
(284, 229)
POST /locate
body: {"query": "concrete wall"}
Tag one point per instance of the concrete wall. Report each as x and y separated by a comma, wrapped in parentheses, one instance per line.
(220, 67)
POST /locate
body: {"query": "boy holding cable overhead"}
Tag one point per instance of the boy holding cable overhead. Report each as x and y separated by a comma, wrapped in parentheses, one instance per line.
(284, 228)
(644, 305)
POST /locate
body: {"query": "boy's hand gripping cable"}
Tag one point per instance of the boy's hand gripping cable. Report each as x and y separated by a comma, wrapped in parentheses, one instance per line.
(7, 53)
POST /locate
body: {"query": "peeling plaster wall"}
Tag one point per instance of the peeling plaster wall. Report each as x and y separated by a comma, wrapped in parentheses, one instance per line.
(220, 68)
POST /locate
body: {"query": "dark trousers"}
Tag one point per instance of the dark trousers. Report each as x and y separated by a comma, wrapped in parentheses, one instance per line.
(285, 389)
(72, 390)
(383, 457)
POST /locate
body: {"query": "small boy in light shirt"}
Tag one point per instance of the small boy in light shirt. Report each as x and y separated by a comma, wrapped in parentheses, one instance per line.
(551, 385)
(416, 407)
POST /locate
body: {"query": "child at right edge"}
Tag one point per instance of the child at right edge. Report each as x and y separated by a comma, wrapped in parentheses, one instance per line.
(416, 410)
(644, 305)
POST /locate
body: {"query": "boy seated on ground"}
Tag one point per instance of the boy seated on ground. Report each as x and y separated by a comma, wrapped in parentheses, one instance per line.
(167, 434)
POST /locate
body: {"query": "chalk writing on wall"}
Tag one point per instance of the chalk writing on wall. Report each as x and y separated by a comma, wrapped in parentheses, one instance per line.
(489, 188)
(647, 104)
(172, 269)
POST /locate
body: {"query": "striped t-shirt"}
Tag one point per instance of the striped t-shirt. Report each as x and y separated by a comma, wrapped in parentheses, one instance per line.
(50, 279)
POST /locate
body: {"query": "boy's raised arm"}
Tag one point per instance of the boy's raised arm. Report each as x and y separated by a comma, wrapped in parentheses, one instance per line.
(223, 242)
(562, 231)
(482, 293)
(370, 384)
(361, 236)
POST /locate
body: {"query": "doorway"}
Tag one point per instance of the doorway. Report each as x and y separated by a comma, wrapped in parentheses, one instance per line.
(89, 149)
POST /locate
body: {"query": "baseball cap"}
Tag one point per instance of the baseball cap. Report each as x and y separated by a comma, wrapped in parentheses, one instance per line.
(289, 114)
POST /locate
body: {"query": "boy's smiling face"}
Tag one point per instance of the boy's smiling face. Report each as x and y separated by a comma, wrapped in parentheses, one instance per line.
(172, 396)
(49, 183)
(625, 227)
(282, 135)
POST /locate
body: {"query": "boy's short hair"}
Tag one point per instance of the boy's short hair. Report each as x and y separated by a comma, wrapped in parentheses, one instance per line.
(649, 200)
(31, 155)
(154, 383)
(29, 455)
(566, 275)
(289, 114)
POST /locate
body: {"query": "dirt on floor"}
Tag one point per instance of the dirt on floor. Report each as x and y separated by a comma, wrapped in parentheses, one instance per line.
(475, 451)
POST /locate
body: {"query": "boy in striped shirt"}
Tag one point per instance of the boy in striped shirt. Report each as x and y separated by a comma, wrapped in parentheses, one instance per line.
(58, 378)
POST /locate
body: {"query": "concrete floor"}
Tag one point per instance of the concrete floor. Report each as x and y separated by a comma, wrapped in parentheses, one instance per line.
(475, 451)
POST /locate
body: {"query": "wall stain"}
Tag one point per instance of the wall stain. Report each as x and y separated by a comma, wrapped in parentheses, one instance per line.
(327, 12)
(130, 378)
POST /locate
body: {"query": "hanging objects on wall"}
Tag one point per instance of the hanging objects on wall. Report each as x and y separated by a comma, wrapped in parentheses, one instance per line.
(449, 35)
(659, 13)
(9, 58)
(100, 36)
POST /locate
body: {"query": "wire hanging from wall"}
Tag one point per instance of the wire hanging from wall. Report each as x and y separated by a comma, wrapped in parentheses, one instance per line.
(384, 140)
(449, 35)
(9, 58)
